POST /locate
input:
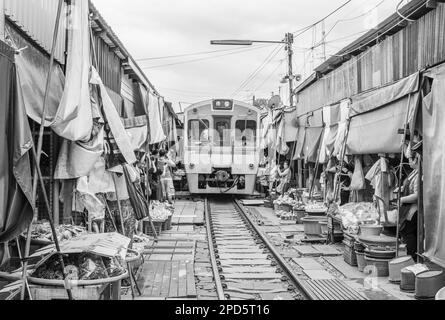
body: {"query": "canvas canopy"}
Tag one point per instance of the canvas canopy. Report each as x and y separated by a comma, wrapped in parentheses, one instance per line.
(16, 210)
(377, 116)
(433, 114)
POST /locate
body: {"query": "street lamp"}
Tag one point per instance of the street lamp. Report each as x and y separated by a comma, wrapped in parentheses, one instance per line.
(288, 41)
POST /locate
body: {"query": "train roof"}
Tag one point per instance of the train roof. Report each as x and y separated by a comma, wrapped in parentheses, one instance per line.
(206, 102)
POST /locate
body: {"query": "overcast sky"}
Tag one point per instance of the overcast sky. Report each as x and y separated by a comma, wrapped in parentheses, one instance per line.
(161, 28)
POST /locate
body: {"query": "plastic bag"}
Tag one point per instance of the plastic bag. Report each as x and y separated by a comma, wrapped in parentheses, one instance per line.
(358, 178)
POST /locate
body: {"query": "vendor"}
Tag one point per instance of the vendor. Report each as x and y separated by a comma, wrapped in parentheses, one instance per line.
(285, 177)
(409, 207)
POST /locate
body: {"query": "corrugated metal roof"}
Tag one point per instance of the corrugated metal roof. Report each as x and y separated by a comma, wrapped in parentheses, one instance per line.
(36, 18)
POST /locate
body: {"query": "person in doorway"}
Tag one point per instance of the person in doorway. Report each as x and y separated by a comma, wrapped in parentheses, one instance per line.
(154, 176)
(168, 189)
(409, 208)
(285, 177)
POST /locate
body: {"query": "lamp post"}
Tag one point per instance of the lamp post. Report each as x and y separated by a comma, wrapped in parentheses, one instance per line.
(288, 41)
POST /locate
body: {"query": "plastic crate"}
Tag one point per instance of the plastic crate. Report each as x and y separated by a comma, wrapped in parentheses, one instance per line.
(157, 225)
(349, 255)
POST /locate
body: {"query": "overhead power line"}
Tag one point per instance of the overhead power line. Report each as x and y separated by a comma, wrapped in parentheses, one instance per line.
(304, 30)
(207, 58)
(255, 73)
(188, 54)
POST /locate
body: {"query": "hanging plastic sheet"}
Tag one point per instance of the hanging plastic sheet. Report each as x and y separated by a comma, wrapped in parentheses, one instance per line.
(377, 131)
(433, 114)
(300, 144)
(74, 119)
(376, 98)
(312, 143)
(281, 145)
(114, 121)
(342, 128)
(330, 117)
(16, 211)
(291, 132)
(152, 109)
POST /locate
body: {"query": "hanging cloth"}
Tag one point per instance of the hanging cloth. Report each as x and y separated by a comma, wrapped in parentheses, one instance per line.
(74, 118)
(152, 109)
(120, 136)
(16, 210)
(281, 145)
(342, 128)
(358, 178)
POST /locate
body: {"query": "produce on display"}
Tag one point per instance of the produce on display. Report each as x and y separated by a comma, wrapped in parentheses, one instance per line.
(83, 266)
(161, 211)
(42, 231)
(355, 214)
(316, 207)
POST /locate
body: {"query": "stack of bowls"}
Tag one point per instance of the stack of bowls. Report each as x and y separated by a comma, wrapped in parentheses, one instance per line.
(379, 258)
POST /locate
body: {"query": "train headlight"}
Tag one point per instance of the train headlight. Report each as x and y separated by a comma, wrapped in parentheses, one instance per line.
(192, 166)
(251, 166)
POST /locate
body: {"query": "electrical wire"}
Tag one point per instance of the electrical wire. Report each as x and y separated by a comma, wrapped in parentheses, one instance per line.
(354, 18)
(187, 54)
(331, 74)
(203, 59)
(401, 15)
(270, 76)
(253, 75)
(304, 30)
(380, 35)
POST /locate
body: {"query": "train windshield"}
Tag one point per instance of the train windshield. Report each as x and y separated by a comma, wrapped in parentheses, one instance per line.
(222, 131)
(245, 135)
(198, 132)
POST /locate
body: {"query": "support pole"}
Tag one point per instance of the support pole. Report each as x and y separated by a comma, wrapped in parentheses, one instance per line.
(399, 191)
(38, 153)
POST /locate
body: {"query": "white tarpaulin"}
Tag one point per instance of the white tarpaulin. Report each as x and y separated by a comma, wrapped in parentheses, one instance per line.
(74, 118)
(434, 167)
(114, 121)
(157, 134)
(342, 128)
(377, 131)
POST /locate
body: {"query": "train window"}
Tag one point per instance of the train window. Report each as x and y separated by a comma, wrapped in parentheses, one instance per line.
(222, 132)
(198, 132)
(245, 133)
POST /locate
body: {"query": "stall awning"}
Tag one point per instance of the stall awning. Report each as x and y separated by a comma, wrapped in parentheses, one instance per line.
(300, 144)
(291, 131)
(433, 114)
(312, 143)
(377, 131)
(374, 99)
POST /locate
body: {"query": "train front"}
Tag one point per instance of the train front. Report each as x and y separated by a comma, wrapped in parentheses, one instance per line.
(221, 149)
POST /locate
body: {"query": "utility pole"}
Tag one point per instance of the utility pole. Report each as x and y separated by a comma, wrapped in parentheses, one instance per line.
(323, 41)
(290, 53)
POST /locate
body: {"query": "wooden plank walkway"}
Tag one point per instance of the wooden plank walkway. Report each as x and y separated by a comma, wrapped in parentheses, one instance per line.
(168, 279)
(188, 213)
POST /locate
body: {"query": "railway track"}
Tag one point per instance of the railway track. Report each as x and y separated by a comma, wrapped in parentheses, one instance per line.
(246, 266)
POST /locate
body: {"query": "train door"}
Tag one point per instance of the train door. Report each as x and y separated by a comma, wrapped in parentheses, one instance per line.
(245, 148)
(222, 142)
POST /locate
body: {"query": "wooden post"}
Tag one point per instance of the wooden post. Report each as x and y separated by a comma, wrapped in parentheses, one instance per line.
(56, 203)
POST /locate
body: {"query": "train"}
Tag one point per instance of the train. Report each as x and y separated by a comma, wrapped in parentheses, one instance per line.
(221, 147)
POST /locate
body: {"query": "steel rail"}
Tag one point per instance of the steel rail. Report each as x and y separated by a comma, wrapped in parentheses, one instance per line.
(215, 267)
(278, 257)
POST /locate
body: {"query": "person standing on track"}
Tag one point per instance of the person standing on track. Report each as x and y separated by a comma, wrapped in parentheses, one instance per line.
(168, 189)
